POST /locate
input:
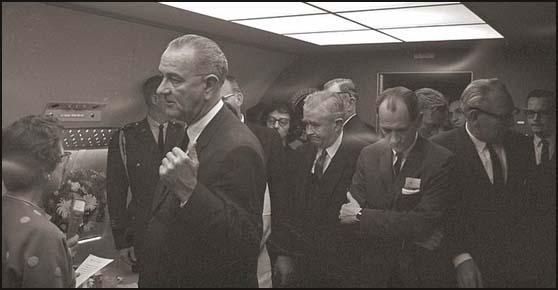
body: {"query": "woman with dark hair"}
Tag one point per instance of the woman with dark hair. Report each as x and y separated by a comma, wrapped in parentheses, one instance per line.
(35, 252)
(278, 116)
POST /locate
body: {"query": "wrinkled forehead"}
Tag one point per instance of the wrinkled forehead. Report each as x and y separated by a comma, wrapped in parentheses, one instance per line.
(178, 59)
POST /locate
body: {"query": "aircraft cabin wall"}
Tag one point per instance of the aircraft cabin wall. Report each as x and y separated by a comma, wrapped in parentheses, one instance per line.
(521, 67)
(55, 54)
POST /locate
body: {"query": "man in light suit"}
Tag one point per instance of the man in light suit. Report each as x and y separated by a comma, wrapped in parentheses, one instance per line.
(492, 166)
(133, 161)
(207, 210)
(399, 196)
(323, 251)
(354, 128)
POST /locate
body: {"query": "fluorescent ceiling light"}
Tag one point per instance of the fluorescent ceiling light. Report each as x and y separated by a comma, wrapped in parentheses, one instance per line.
(354, 6)
(301, 24)
(245, 10)
(460, 32)
(419, 16)
(344, 37)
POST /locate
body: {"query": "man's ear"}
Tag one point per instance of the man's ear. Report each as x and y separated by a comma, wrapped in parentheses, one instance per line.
(211, 84)
(239, 98)
(339, 123)
(154, 99)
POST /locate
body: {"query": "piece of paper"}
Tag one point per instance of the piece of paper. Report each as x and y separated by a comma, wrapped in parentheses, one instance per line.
(89, 267)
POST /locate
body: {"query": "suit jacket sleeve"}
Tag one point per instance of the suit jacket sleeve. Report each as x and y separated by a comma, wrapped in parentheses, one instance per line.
(236, 198)
(117, 192)
(419, 222)
(358, 185)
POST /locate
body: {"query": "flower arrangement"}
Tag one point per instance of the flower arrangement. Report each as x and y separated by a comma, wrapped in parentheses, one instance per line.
(84, 183)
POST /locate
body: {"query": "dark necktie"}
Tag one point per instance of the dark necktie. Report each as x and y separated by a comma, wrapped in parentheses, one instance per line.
(185, 140)
(544, 153)
(319, 167)
(161, 139)
(397, 166)
(497, 171)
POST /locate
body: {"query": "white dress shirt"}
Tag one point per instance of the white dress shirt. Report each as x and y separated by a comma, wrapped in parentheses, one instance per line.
(154, 126)
(331, 151)
(484, 155)
(538, 146)
(194, 131)
(405, 153)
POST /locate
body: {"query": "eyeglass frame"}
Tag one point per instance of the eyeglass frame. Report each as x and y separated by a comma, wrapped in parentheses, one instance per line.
(532, 113)
(282, 121)
(507, 118)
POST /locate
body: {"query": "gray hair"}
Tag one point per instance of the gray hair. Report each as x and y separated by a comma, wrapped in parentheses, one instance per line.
(208, 54)
(475, 94)
(344, 85)
(330, 102)
(430, 98)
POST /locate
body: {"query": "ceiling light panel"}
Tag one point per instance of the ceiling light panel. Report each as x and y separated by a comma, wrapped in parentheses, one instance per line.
(354, 6)
(302, 24)
(344, 37)
(419, 16)
(439, 33)
(246, 10)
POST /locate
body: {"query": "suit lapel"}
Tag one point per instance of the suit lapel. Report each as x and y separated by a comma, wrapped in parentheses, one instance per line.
(335, 170)
(204, 139)
(471, 156)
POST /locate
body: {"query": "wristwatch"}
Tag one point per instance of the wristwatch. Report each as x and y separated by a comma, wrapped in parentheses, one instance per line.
(359, 215)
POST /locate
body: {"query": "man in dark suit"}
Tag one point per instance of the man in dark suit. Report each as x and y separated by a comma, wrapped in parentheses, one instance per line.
(321, 248)
(206, 226)
(541, 117)
(274, 160)
(492, 165)
(354, 128)
(133, 161)
(399, 196)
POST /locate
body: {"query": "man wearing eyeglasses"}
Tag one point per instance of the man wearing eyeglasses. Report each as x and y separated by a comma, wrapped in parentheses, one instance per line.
(492, 166)
(541, 117)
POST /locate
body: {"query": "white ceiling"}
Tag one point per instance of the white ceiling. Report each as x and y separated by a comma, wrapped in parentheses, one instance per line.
(520, 23)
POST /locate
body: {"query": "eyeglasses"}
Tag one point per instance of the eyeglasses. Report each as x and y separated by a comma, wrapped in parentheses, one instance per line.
(225, 97)
(503, 118)
(532, 113)
(282, 121)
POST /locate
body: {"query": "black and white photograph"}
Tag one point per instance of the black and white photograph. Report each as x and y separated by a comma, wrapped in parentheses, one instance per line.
(279, 144)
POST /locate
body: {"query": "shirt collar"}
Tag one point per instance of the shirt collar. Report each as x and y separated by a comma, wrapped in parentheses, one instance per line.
(332, 149)
(242, 118)
(195, 130)
(479, 145)
(348, 119)
(408, 150)
(152, 123)
(550, 139)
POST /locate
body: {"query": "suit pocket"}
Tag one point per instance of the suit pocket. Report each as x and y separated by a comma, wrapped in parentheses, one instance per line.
(405, 191)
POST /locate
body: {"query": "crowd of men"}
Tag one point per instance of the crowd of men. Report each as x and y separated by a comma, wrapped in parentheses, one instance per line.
(217, 202)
